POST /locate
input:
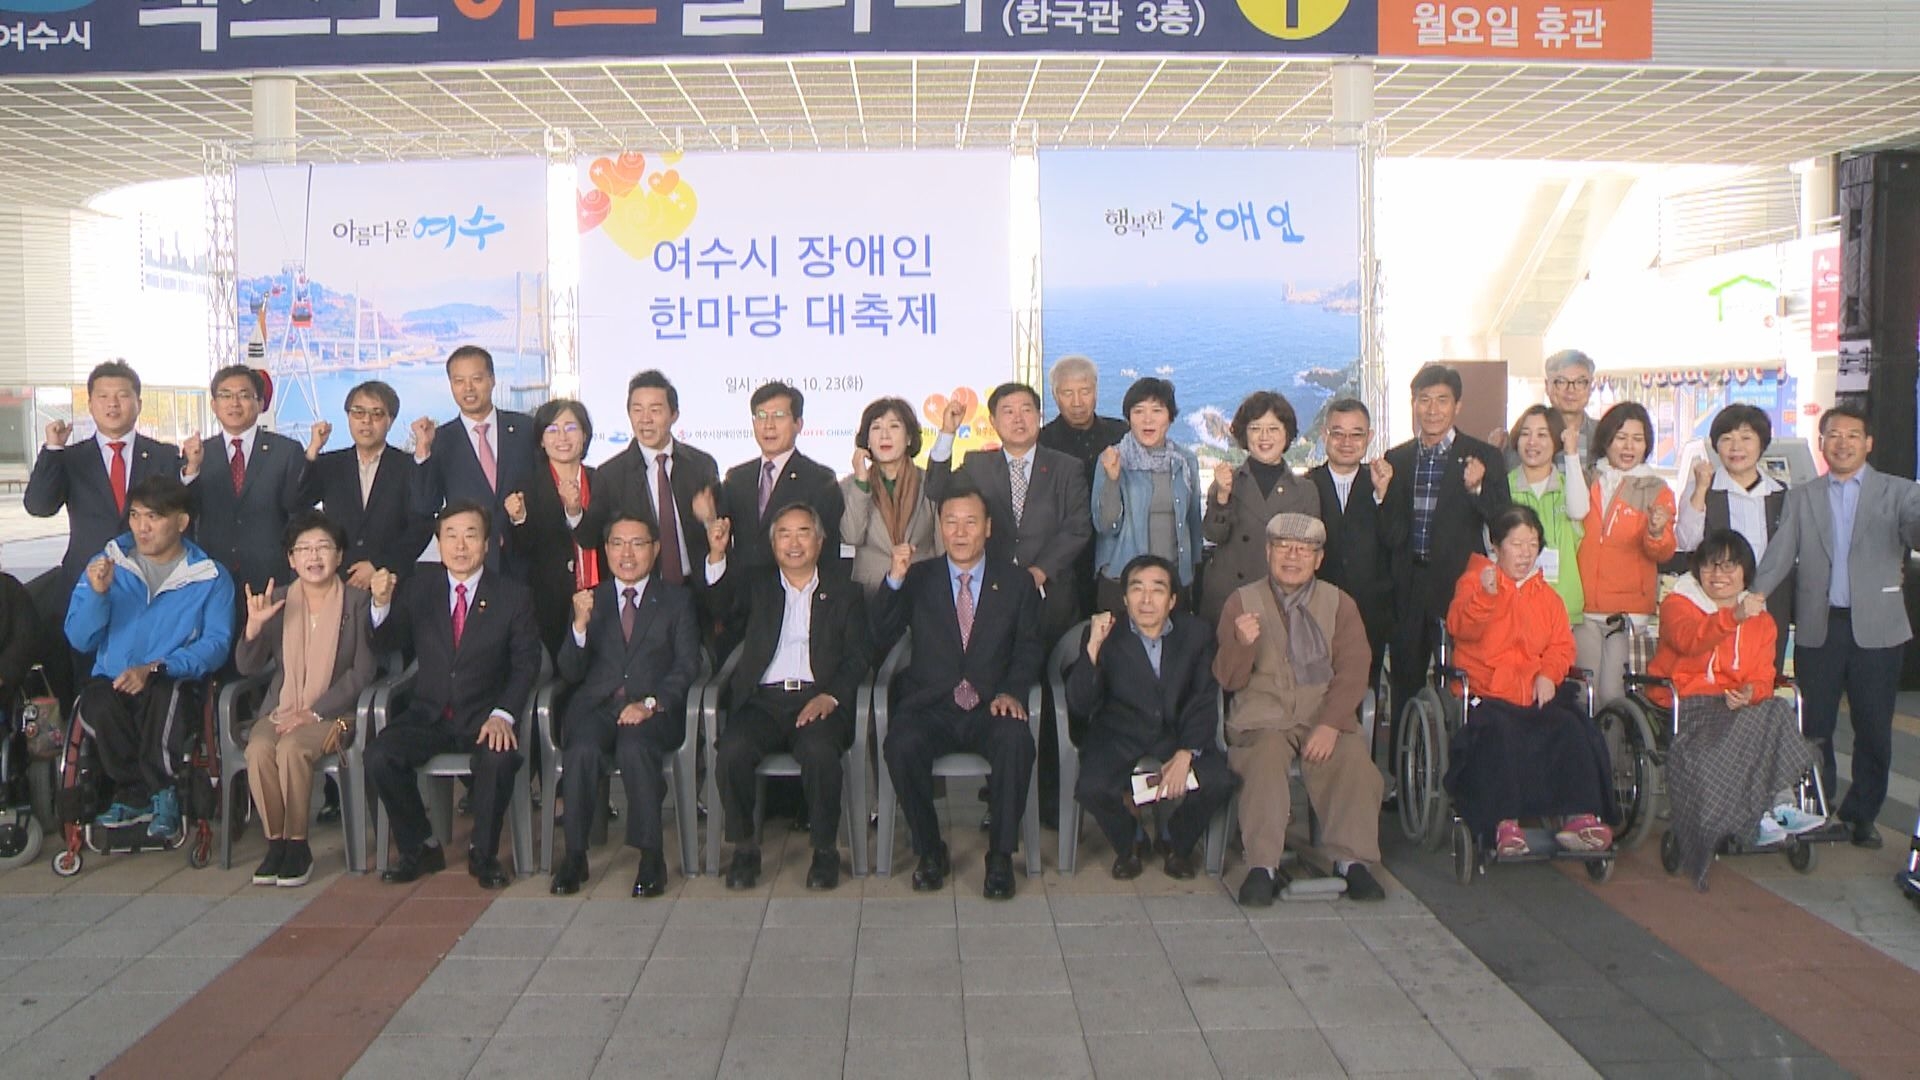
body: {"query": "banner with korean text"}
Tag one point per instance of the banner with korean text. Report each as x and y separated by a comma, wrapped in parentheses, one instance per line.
(356, 272)
(1224, 272)
(1571, 31)
(851, 276)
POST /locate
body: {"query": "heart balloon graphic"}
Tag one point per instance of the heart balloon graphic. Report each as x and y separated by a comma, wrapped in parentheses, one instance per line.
(608, 179)
(592, 208)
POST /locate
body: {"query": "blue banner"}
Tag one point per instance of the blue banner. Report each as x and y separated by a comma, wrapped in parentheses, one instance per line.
(75, 37)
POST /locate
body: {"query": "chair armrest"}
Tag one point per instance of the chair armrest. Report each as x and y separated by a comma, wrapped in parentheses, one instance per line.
(709, 696)
(384, 696)
(897, 658)
(238, 699)
(543, 707)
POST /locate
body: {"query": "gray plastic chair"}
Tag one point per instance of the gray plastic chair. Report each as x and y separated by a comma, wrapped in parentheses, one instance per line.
(947, 765)
(239, 707)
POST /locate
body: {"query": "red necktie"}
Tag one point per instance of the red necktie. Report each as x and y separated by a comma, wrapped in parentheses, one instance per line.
(669, 525)
(117, 477)
(965, 695)
(459, 613)
(237, 465)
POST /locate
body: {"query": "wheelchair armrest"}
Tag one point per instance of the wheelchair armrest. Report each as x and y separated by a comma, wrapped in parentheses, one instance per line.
(1581, 675)
(1645, 682)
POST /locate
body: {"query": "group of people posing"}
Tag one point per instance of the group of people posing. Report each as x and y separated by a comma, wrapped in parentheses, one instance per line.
(634, 578)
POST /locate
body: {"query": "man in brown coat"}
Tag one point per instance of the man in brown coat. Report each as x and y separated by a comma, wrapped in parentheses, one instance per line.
(1294, 655)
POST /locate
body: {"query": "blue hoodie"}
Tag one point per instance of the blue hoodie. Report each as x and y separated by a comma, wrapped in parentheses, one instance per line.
(188, 623)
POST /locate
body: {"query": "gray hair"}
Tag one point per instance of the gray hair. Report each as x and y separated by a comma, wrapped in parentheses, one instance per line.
(1072, 367)
(1568, 358)
(813, 515)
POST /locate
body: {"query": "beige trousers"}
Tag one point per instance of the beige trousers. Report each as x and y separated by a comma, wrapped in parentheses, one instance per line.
(280, 772)
(1344, 791)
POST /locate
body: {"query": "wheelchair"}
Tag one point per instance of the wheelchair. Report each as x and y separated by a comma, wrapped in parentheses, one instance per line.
(1425, 737)
(1910, 878)
(194, 763)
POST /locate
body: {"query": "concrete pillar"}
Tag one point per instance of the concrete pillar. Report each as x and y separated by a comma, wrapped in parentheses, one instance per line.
(1352, 96)
(1352, 121)
(1817, 192)
(273, 118)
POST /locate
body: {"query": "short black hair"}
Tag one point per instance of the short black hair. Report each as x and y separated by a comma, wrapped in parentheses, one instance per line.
(305, 521)
(1725, 545)
(1351, 405)
(547, 414)
(164, 495)
(1008, 389)
(1738, 416)
(638, 519)
(240, 371)
(899, 408)
(466, 351)
(653, 379)
(1149, 562)
(1432, 375)
(961, 490)
(1616, 418)
(456, 507)
(1149, 389)
(796, 401)
(1511, 518)
(1258, 404)
(387, 396)
(1854, 411)
(1556, 426)
(114, 369)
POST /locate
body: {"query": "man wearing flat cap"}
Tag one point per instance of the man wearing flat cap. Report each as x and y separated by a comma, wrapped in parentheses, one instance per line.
(1293, 652)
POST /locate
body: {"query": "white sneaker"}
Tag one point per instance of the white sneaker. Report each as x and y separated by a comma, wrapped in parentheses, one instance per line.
(1771, 833)
(1795, 820)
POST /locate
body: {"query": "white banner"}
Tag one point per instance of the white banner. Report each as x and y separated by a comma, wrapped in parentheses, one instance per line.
(851, 276)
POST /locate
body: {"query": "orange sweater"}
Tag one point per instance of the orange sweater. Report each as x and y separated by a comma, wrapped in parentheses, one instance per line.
(1619, 562)
(1704, 651)
(1502, 642)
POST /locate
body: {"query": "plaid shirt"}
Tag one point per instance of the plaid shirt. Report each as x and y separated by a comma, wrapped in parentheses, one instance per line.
(1429, 464)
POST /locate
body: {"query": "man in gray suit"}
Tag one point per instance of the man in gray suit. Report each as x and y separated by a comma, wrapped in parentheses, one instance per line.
(1846, 534)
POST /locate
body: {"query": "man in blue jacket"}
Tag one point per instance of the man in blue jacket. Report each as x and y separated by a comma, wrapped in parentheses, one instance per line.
(153, 609)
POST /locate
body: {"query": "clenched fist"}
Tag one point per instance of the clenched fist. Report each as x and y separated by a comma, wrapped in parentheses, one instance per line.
(950, 418)
(100, 574)
(1570, 442)
(902, 560)
(58, 433)
(193, 451)
(1110, 462)
(1247, 628)
(317, 437)
(1490, 580)
(582, 609)
(1098, 628)
(382, 587)
(1382, 472)
(423, 430)
(1658, 520)
(1472, 474)
(1222, 483)
(862, 464)
(719, 534)
(1751, 604)
(703, 508)
(515, 505)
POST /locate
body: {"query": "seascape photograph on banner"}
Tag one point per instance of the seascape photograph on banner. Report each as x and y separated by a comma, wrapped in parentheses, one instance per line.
(851, 276)
(1224, 272)
(377, 271)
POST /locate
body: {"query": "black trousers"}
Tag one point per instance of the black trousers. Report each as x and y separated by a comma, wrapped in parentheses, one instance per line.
(1412, 646)
(764, 724)
(594, 742)
(1105, 790)
(914, 741)
(136, 737)
(402, 747)
(1870, 679)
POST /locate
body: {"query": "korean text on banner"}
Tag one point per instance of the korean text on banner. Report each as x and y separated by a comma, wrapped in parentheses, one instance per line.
(849, 276)
(1576, 31)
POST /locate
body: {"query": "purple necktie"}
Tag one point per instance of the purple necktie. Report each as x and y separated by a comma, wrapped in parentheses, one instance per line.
(766, 486)
(965, 695)
(628, 609)
(484, 450)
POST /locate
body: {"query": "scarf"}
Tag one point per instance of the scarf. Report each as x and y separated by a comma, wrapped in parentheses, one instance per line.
(309, 642)
(586, 564)
(1306, 645)
(898, 500)
(1140, 459)
(1638, 487)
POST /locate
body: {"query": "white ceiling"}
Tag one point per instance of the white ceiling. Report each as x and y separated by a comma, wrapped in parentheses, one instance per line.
(62, 142)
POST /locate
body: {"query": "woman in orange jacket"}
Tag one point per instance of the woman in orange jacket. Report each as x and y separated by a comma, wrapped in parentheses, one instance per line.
(1737, 746)
(1526, 749)
(1629, 533)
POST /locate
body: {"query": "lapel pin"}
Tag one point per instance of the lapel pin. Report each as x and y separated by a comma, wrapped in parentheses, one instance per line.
(482, 605)
(995, 587)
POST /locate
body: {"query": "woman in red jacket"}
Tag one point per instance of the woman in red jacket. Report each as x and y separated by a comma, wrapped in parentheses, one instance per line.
(1527, 749)
(1629, 533)
(1738, 746)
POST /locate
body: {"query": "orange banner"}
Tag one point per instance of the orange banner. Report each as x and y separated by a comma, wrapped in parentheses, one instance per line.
(1577, 31)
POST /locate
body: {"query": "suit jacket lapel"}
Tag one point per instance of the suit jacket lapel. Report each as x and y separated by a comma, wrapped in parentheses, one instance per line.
(256, 462)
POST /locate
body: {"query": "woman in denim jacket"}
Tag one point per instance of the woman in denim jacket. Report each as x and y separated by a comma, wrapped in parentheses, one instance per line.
(1146, 496)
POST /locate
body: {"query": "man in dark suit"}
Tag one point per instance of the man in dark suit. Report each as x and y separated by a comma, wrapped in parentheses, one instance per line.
(653, 472)
(242, 503)
(1443, 486)
(1356, 551)
(473, 634)
(976, 655)
(1081, 433)
(1151, 693)
(488, 455)
(367, 488)
(802, 660)
(90, 479)
(781, 476)
(634, 650)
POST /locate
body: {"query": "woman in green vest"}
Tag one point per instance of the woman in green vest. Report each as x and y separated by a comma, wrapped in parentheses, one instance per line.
(1549, 481)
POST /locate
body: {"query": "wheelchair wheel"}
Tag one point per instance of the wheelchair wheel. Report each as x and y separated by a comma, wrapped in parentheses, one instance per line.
(20, 842)
(1600, 871)
(1629, 738)
(67, 863)
(1669, 853)
(1803, 857)
(1423, 768)
(1465, 859)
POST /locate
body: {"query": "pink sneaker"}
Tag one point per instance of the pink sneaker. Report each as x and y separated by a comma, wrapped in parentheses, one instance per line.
(1510, 841)
(1584, 833)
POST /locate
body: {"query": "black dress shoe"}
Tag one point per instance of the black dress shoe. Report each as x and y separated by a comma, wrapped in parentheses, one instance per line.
(931, 874)
(492, 875)
(999, 884)
(1361, 885)
(1126, 867)
(1259, 889)
(824, 874)
(1180, 865)
(413, 867)
(744, 871)
(1864, 835)
(475, 863)
(571, 874)
(652, 878)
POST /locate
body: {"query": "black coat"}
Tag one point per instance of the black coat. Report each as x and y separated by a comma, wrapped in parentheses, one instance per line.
(496, 664)
(245, 532)
(1458, 520)
(1004, 654)
(1131, 705)
(802, 481)
(545, 546)
(661, 661)
(837, 639)
(622, 487)
(382, 530)
(75, 478)
(1356, 552)
(452, 472)
(19, 635)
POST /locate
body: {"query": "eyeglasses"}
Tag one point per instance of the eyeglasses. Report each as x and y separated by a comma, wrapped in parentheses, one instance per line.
(228, 396)
(1337, 435)
(1267, 429)
(324, 547)
(1722, 567)
(1295, 547)
(563, 429)
(775, 414)
(639, 543)
(1570, 384)
(359, 413)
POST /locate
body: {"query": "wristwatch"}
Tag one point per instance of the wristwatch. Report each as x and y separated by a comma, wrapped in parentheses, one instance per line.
(159, 668)
(652, 703)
